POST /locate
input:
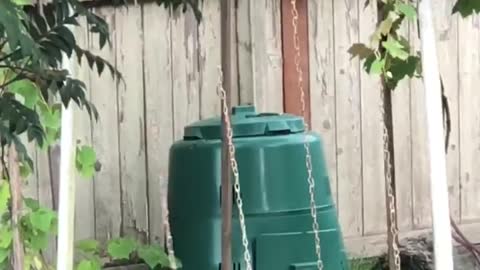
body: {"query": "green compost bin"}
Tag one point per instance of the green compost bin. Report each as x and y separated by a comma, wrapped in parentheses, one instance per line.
(271, 158)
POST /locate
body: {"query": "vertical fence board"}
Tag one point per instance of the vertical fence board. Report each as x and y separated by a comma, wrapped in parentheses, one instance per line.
(322, 81)
(349, 163)
(266, 34)
(45, 195)
(469, 68)
(105, 135)
(373, 184)
(446, 31)
(159, 123)
(128, 25)
(422, 213)
(186, 105)
(402, 140)
(209, 60)
(244, 52)
(84, 195)
(30, 184)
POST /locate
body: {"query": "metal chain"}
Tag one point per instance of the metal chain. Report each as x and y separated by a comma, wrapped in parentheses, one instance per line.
(234, 167)
(308, 156)
(390, 194)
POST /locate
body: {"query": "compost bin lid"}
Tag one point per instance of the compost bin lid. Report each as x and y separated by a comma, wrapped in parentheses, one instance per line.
(246, 123)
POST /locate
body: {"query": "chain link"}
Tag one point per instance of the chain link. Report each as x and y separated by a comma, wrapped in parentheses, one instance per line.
(234, 167)
(390, 194)
(308, 156)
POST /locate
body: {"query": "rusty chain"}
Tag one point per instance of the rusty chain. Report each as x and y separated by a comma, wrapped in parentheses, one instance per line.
(390, 193)
(308, 156)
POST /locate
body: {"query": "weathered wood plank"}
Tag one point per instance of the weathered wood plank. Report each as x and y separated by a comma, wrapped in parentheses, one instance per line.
(447, 44)
(186, 100)
(266, 35)
(292, 92)
(128, 25)
(209, 60)
(158, 107)
(105, 136)
(84, 197)
(322, 81)
(422, 213)
(45, 195)
(349, 162)
(30, 184)
(244, 50)
(403, 150)
(469, 68)
(372, 136)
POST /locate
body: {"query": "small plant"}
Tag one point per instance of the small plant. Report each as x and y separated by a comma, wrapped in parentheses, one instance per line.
(120, 251)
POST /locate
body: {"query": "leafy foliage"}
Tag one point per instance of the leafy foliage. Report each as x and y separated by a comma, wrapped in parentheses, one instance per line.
(85, 161)
(34, 85)
(389, 54)
(467, 7)
(121, 249)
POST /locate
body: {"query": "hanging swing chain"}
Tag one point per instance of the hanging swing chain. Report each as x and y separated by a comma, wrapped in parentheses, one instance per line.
(308, 156)
(234, 167)
(390, 193)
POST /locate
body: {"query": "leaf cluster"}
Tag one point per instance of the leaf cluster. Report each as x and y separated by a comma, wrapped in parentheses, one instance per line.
(389, 54)
(121, 250)
(33, 43)
(466, 7)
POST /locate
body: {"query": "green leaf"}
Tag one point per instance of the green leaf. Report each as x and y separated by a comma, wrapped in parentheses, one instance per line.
(385, 26)
(153, 256)
(86, 155)
(89, 265)
(25, 170)
(466, 7)
(43, 219)
(377, 67)
(406, 9)
(4, 253)
(39, 241)
(88, 246)
(360, 50)
(121, 248)
(4, 196)
(5, 237)
(22, 2)
(394, 48)
(85, 161)
(31, 203)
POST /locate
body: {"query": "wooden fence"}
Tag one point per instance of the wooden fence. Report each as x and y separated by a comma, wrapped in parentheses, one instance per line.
(170, 68)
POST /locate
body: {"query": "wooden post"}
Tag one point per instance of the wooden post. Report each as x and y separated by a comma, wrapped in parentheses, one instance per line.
(442, 237)
(291, 93)
(229, 65)
(66, 196)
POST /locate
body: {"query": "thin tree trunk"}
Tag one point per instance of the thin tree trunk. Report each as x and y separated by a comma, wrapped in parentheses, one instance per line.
(16, 194)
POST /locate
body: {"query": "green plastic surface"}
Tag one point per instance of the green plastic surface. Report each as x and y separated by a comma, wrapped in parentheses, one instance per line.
(274, 188)
(246, 123)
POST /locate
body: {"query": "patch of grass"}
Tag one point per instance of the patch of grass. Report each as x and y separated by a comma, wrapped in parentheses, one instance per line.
(362, 263)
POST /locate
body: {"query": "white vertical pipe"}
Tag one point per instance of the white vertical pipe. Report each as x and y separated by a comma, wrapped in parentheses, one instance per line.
(66, 197)
(438, 172)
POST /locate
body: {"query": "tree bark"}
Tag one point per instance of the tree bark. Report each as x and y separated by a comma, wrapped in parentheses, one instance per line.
(16, 195)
